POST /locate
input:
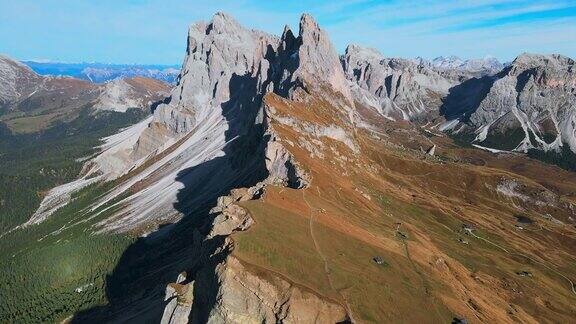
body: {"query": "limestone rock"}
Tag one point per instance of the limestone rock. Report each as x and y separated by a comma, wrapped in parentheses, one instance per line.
(243, 297)
(216, 52)
(232, 218)
(180, 298)
(396, 88)
(318, 61)
(123, 94)
(471, 67)
(535, 94)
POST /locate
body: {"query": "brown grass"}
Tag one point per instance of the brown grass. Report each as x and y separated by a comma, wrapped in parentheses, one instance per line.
(431, 276)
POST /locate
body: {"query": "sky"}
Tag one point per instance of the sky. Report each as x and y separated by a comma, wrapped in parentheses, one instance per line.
(154, 31)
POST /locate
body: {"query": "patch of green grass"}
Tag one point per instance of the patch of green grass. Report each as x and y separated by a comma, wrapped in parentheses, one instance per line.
(29, 124)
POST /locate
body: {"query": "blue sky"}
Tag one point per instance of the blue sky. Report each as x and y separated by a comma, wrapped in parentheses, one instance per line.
(154, 31)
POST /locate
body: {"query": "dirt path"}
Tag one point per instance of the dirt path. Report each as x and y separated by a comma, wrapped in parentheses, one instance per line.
(323, 257)
(425, 284)
(572, 286)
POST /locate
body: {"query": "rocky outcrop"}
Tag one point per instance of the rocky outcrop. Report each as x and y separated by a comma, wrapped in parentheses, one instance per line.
(533, 101)
(180, 297)
(243, 297)
(396, 88)
(222, 54)
(123, 94)
(218, 53)
(309, 62)
(215, 122)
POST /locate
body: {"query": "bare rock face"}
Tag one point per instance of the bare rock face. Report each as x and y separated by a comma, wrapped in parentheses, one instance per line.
(179, 296)
(469, 68)
(243, 297)
(317, 60)
(216, 52)
(222, 56)
(396, 88)
(534, 98)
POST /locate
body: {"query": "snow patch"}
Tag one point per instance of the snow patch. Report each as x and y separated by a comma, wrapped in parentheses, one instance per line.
(492, 150)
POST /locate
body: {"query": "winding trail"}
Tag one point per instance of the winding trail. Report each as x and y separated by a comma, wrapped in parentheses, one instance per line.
(323, 257)
(572, 286)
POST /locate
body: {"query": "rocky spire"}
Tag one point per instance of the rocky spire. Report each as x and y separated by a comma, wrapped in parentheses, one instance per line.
(216, 52)
(318, 61)
(222, 48)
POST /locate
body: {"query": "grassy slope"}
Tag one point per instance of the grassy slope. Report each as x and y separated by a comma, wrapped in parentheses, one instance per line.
(281, 241)
(430, 275)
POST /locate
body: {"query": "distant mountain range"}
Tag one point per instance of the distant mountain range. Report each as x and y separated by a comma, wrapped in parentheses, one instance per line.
(31, 102)
(102, 72)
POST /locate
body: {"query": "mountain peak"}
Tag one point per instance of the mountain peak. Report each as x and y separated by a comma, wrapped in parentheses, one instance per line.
(319, 62)
(223, 23)
(307, 23)
(366, 53)
(14, 76)
(542, 59)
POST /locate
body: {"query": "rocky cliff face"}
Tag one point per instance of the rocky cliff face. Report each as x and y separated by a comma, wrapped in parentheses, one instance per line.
(317, 63)
(215, 113)
(210, 137)
(223, 54)
(534, 98)
(220, 54)
(397, 88)
(123, 94)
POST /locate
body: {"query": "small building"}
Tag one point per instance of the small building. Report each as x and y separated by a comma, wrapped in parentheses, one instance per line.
(378, 259)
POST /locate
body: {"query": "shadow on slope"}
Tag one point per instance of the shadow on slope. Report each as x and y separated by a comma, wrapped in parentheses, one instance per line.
(135, 289)
(463, 99)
